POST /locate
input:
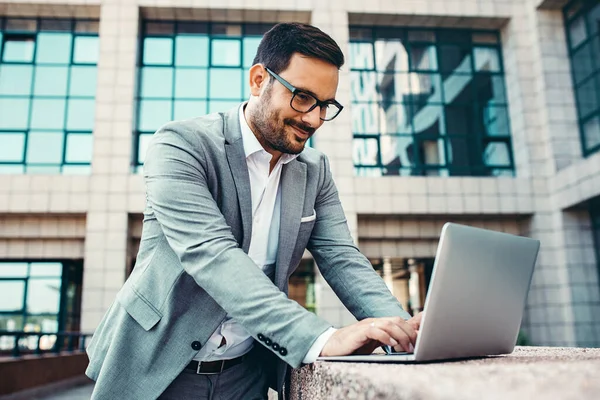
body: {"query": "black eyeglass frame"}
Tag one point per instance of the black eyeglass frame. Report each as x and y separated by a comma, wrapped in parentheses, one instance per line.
(318, 102)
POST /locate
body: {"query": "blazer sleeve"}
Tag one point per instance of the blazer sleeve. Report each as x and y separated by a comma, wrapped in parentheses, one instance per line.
(344, 267)
(178, 194)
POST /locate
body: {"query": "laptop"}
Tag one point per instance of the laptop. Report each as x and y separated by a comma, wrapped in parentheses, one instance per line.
(476, 297)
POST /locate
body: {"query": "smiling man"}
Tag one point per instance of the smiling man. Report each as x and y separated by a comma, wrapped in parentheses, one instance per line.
(233, 200)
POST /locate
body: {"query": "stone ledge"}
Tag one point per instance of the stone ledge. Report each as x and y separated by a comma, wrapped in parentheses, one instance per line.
(527, 373)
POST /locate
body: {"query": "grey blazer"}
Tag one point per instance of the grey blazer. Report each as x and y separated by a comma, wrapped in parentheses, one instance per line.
(192, 268)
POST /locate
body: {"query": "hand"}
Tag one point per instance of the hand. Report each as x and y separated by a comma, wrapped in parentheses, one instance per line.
(365, 336)
(415, 321)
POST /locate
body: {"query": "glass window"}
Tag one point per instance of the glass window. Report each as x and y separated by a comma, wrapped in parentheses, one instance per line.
(47, 113)
(486, 59)
(14, 113)
(18, 49)
(15, 79)
(191, 51)
(79, 148)
(43, 92)
(582, 24)
(191, 83)
(13, 269)
(12, 146)
(43, 296)
(591, 133)
(53, 48)
(157, 82)
(190, 69)
(158, 51)
(431, 119)
(154, 114)
(51, 81)
(46, 269)
(143, 142)
(86, 50)
(225, 53)
(80, 115)
(83, 81)
(225, 83)
(185, 109)
(12, 295)
(45, 147)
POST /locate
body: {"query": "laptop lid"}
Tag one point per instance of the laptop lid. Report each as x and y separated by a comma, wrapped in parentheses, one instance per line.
(477, 293)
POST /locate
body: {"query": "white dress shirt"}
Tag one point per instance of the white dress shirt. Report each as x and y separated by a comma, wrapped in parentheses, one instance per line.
(266, 210)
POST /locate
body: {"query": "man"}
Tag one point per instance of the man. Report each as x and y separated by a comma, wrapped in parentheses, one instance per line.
(233, 200)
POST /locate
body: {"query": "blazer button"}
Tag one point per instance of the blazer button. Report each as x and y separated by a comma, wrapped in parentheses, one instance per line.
(276, 346)
(268, 341)
(196, 345)
(283, 351)
(261, 337)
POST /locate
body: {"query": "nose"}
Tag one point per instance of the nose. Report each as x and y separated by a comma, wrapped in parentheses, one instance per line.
(313, 118)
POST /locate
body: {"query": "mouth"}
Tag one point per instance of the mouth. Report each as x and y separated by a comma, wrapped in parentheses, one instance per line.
(301, 133)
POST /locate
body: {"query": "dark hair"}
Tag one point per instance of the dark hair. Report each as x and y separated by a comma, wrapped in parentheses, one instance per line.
(283, 40)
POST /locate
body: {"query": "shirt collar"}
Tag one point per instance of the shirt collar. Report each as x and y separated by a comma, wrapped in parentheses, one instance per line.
(251, 143)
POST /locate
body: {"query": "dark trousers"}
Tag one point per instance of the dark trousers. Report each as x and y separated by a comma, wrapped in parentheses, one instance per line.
(248, 380)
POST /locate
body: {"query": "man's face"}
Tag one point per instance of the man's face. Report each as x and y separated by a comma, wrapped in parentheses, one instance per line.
(278, 126)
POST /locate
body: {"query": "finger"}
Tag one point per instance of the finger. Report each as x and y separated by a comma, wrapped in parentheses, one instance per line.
(394, 330)
(406, 327)
(375, 332)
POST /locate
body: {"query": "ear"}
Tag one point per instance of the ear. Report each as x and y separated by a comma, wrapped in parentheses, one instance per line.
(259, 77)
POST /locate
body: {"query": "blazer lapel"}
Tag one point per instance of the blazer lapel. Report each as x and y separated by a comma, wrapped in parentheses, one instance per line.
(236, 157)
(293, 185)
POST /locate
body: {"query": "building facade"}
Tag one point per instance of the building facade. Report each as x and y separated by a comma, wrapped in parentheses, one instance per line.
(481, 112)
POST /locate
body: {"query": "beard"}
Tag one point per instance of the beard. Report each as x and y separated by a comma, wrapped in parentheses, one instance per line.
(274, 132)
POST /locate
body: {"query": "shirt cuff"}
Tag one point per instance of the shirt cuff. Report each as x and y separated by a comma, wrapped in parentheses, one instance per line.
(317, 346)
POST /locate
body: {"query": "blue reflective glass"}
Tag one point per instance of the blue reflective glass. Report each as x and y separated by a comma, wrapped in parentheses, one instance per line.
(591, 133)
(587, 97)
(19, 50)
(53, 48)
(47, 113)
(83, 81)
(45, 269)
(496, 154)
(185, 109)
(191, 83)
(86, 50)
(225, 52)
(362, 56)
(250, 47)
(12, 146)
(225, 83)
(191, 51)
(144, 141)
(486, 59)
(43, 295)
(581, 62)
(158, 51)
(157, 82)
(44, 147)
(13, 269)
(222, 106)
(51, 80)
(423, 57)
(11, 169)
(14, 113)
(15, 79)
(46, 169)
(496, 121)
(153, 114)
(79, 148)
(246, 84)
(80, 115)
(76, 169)
(1, 41)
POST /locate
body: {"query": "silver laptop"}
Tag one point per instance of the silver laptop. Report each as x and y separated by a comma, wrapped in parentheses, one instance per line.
(476, 297)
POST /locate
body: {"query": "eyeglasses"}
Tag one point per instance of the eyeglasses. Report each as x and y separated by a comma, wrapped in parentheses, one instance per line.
(304, 102)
